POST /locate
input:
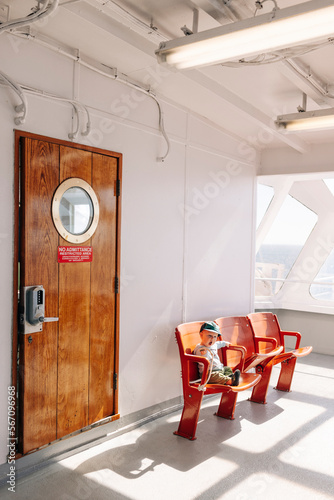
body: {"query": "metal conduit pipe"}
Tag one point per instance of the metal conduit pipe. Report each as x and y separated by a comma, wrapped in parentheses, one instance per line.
(23, 107)
(46, 9)
(318, 86)
(76, 106)
(111, 74)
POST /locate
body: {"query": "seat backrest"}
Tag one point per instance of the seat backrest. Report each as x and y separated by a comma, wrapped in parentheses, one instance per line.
(236, 330)
(265, 324)
(189, 333)
(187, 337)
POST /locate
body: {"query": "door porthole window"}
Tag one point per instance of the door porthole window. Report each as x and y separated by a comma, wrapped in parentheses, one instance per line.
(75, 210)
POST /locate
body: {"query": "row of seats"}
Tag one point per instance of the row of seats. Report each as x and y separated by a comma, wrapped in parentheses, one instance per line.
(257, 344)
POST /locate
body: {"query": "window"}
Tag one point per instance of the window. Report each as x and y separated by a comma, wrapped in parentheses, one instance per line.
(75, 210)
(323, 286)
(282, 245)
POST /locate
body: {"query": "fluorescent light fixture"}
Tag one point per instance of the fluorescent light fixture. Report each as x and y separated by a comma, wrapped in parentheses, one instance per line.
(308, 120)
(304, 23)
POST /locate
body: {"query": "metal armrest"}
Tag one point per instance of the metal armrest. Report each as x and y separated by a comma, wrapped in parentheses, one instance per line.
(293, 334)
(269, 340)
(192, 358)
(239, 348)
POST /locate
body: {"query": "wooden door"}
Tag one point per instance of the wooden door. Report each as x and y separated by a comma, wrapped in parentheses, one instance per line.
(67, 371)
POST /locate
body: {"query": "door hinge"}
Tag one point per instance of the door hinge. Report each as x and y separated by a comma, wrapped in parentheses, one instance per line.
(116, 284)
(115, 381)
(118, 187)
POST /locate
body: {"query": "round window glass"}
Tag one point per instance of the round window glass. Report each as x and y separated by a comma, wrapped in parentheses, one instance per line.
(76, 210)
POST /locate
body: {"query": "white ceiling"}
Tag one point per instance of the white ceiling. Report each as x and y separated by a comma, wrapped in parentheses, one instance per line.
(243, 100)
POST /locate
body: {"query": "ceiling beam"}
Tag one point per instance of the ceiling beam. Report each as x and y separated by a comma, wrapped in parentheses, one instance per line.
(112, 18)
(225, 12)
(217, 10)
(303, 77)
(252, 113)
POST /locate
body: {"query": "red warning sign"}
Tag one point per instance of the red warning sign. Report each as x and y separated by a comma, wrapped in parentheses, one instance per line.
(75, 254)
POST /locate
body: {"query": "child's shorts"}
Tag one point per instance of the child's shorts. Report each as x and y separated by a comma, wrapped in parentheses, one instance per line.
(221, 376)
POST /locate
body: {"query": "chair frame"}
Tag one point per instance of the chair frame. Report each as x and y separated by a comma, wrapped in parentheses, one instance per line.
(237, 329)
(187, 337)
(266, 325)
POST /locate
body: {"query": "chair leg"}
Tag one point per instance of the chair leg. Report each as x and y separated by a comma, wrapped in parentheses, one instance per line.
(227, 405)
(189, 418)
(286, 374)
(260, 390)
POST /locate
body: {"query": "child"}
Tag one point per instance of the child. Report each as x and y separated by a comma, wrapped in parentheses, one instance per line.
(208, 347)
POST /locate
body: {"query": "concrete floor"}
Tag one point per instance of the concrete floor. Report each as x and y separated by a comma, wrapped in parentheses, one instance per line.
(284, 449)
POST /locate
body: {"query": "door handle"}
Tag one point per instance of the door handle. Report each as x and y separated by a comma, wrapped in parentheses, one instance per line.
(47, 320)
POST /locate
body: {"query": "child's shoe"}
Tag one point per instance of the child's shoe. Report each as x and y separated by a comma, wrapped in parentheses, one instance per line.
(236, 377)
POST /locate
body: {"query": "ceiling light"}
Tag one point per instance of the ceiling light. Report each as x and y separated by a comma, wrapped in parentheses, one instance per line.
(308, 120)
(296, 25)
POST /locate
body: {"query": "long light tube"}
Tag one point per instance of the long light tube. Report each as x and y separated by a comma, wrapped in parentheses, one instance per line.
(304, 23)
(308, 120)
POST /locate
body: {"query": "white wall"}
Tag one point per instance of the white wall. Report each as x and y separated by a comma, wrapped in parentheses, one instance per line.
(219, 270)
(187, 223)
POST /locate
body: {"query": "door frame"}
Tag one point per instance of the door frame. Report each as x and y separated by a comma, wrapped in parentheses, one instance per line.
(16, 252)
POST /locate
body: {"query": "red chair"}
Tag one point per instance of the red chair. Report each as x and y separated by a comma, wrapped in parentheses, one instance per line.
(265, 324)
(187, 337)
(237, 330)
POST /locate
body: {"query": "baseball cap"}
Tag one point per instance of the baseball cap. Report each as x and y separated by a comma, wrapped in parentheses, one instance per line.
(210, 326)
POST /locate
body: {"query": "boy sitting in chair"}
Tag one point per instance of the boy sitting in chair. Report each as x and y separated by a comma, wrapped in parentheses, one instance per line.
(219, 374)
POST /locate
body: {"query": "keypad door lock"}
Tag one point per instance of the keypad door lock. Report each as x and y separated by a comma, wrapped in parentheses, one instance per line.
(32, 310)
